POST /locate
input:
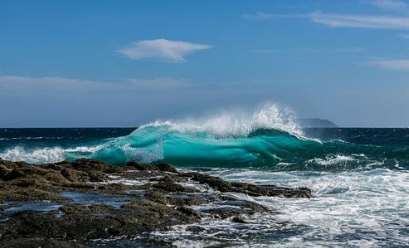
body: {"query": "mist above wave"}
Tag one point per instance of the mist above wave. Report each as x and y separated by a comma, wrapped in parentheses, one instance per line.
(236, 123)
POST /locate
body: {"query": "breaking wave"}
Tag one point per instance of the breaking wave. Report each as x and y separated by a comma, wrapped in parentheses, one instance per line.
(266, 138)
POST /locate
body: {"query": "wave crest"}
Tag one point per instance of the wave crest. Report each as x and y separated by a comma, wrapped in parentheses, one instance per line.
(235, 123)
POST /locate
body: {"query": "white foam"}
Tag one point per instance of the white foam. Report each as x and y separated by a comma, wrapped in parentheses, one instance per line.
(43, 155)
(370, 207)
(331, 160)
(237, 123)
(354, 209)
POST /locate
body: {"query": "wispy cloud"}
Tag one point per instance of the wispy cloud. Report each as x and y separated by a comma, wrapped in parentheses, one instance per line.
(161, 83)
(389, 5)
(403, 36)
(309, 50)
(129, 84)
(267, 16)
(398, 64)
(161, 49)
(340, 20)
(267, 51)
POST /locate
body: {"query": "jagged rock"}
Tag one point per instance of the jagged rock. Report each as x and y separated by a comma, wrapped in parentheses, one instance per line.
(156, 204)
(214, 182)
(38, 242)
(30, 194)
(70, 174)
(166, 167)
(188, 211)
(97, 176)
(172, 187)
(152, 167)
(4, 170)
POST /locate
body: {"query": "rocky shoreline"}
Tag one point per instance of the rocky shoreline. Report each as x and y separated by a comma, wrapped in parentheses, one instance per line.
(72, 204)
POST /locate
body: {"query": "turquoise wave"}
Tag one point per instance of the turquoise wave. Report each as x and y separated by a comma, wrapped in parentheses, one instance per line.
(261, 148)
(265, 138)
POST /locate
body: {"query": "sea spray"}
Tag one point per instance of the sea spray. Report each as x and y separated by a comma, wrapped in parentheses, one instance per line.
(268, 138)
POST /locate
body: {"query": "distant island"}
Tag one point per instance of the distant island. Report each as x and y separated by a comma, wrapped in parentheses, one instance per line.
(316, 122)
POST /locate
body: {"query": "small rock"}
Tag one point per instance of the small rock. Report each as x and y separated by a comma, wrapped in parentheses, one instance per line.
(166, 167)
(238, 219)
(188, 211)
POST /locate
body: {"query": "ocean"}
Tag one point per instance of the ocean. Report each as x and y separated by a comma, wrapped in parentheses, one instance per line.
(358, 176)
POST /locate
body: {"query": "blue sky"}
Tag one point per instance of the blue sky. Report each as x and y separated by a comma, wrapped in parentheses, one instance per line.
(125, 63)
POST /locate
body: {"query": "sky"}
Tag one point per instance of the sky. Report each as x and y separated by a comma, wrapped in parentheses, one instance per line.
(85, 63)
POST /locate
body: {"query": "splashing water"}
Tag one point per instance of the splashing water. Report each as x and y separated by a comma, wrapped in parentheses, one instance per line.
(266, 138)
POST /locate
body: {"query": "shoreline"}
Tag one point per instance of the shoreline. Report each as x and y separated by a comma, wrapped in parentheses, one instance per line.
(72, 204)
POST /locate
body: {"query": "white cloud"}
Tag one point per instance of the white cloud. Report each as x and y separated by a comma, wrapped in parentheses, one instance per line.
(162, 49)
(342, 21)
(309, 50)
(51, 83)
(266, 16)
(160, 83)
(398, 64)
(266, 51)
(360, 21)
(403, 36)
(389, 5)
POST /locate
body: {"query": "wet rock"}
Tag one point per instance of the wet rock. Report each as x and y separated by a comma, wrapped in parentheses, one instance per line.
(30, 173)
(8, 164)
(30, 194)
(156, 196)
(90, 164)
(172, 187)
(53, 166)
(70, 174)
(188, 211)
(3, 170)
(141, 166)
(15, 173)
(154, 215)
(166, 167)
(78, 209)
(152, 167)
(192, 200)
(236, 208)
(158, 203)
(214, 182)
(97, 176)
(239, 219)
(38, 242)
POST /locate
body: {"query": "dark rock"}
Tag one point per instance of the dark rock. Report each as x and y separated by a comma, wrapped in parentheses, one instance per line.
(141, 166)
(38, 243)
(188, 211)
(97, 176)
(157, 196)
(15, 173)
(194, 201)
(158, 204)
(238, 219)
(8, 164)
(236, 208)
(30, 194)
(3, 170)
(70, 174)
(166, 167)
(172, 187)
(78, 209)
(90, 164)
(132, 163)
(214, 182)
(152, 167)
(53, 166)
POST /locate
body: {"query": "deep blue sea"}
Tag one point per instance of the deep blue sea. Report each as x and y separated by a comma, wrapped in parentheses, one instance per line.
(359, 176)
